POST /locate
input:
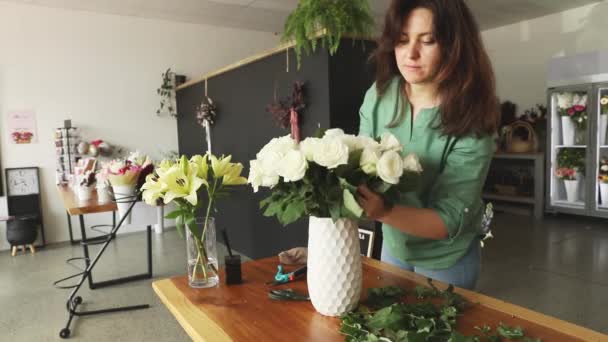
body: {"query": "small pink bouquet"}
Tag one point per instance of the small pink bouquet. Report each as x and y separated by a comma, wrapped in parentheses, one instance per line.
(566, 173)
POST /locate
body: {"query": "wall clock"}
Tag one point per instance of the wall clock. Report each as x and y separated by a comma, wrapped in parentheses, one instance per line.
(22, 181)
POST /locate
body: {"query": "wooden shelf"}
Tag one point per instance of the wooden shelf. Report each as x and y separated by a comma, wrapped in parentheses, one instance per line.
(515, 199)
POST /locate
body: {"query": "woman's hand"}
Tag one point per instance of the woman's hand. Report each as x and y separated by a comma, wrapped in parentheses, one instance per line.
(372, 203)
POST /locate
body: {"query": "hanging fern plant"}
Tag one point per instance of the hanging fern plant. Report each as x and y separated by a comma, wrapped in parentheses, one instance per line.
(336, 17)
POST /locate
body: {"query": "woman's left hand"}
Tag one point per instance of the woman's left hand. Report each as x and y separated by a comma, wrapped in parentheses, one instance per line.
(372, 203)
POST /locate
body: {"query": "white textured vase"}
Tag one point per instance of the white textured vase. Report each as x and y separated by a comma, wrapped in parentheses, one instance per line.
(124, 195)
(571, 190)
(334, 272)
(603, 127)
(568, 131)
(604, 194)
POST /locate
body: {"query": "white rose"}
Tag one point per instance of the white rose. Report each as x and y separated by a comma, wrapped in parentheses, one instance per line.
(308, 146)
(564, 100)
(369, 160)
(293, 166)
(257, 177)
(390, 167)
(364, 142)
(604, 101)
(604, 168)
(411, 163)
(331, 153)
(350, 141)
(280, 145)
(389, 142)
(580, 100)
(270, 162)
(334, 132)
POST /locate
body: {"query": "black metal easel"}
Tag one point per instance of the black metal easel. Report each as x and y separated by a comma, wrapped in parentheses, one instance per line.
(73, 301)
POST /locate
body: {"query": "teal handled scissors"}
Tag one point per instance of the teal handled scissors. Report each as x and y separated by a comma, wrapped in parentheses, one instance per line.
(283, 278)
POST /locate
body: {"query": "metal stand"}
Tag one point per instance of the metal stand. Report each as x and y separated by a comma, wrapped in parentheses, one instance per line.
(74, 300)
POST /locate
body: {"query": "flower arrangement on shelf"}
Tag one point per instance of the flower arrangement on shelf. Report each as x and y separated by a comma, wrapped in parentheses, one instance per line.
(570, 159)
(573, 105)
(319, 177)
(181, 182)
(603, 171)
(87, 179)
(565, 173)
(604, 105)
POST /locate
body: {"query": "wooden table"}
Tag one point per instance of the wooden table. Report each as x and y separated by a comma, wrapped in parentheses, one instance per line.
(76, 207)
(245, 313)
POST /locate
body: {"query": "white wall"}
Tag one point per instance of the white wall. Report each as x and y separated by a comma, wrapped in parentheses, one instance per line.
(102, 72)
(520, 52)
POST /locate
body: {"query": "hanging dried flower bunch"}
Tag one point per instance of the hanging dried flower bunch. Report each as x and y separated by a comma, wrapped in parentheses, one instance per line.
(281, 109)
(206, 112)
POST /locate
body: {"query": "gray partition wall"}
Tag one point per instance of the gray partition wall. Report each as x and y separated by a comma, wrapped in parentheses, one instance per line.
(335, 87)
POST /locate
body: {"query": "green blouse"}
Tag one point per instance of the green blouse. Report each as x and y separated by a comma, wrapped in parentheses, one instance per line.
(454, 193)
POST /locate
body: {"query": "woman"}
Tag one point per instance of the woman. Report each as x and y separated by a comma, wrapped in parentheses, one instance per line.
(435, 92)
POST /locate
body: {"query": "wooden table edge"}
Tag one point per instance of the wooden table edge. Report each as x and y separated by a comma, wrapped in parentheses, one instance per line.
(164, 289)
(499, 305)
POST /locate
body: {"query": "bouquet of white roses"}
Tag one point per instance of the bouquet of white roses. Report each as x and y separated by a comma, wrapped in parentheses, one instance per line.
(319, 177)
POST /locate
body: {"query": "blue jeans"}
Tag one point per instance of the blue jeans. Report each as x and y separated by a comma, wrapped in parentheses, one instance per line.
(463, 274)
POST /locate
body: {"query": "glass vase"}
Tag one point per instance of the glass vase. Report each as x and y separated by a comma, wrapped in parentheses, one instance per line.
(201, 248)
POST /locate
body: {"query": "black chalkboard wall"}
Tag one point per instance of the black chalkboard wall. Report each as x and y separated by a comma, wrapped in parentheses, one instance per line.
(335, 87)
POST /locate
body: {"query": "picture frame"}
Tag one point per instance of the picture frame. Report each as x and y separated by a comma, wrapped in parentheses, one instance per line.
(366, 239)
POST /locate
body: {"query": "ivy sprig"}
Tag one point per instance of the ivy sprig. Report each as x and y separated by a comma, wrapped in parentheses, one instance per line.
(384, 316)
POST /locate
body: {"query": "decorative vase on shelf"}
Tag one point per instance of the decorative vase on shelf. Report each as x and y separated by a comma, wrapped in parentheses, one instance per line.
(334, 265)
(202, 254)
(571, 190)
(124, 195)
(603, 127)
(568, 131)
(604, 194)
(85, 193)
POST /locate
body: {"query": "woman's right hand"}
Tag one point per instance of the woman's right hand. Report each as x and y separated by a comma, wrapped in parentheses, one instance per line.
(372, 203)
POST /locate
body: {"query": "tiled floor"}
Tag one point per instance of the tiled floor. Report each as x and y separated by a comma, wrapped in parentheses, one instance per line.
(558, 266)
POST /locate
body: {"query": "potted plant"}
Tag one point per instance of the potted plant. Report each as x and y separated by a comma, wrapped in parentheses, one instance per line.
(603, 119)
(318, 178)
(167, 92)
(335, 17)
(572, 107)
(86, 185)
(571, 169)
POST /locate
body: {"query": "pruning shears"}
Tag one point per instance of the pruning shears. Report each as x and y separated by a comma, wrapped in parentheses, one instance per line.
(283, 278)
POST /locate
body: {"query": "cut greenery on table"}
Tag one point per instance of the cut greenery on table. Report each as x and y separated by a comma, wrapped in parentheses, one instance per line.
(385, 317)
(337, 17)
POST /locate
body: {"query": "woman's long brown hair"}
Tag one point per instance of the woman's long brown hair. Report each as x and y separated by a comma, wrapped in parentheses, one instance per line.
(465, 78)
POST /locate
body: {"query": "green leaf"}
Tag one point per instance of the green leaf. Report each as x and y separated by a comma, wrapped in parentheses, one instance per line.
(292, 213)
(384, 296)
(385, 318)
(179, 225)
(513, 333)
(351, 204)
(174, 214)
